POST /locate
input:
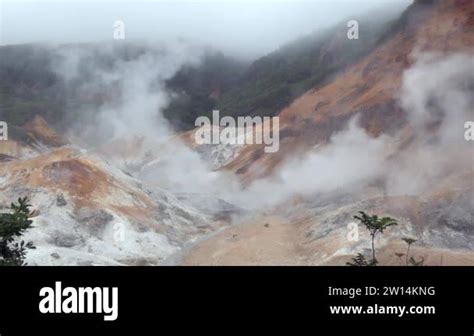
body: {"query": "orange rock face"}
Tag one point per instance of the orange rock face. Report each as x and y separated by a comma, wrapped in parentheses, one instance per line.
(369, 88)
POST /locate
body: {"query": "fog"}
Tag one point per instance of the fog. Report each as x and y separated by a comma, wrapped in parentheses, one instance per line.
(436, 90)
(245, 28)
(436, 95)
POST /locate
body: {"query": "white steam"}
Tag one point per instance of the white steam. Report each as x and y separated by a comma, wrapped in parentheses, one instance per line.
(352, 157)
(134, 88)
(436, 94)
(135, 94)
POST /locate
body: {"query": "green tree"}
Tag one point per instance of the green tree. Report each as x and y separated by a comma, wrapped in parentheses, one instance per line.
(409, 242)
(375, 225)
(12, 226)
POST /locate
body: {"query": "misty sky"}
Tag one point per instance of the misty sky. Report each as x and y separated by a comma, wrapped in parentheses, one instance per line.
(245, 27)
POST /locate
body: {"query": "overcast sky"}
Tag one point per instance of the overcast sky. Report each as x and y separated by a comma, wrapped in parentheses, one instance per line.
(241, 26)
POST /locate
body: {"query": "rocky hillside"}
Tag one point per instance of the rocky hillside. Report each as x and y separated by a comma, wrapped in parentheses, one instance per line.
(381, 91)
(369, 88)
(374, 125)
(90, 212)
(32, 83)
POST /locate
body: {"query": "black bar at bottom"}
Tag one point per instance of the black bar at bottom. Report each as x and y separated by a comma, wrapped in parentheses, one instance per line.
(160, 300)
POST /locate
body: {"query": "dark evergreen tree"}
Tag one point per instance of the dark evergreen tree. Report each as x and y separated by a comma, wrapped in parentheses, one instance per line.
(12, 226)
